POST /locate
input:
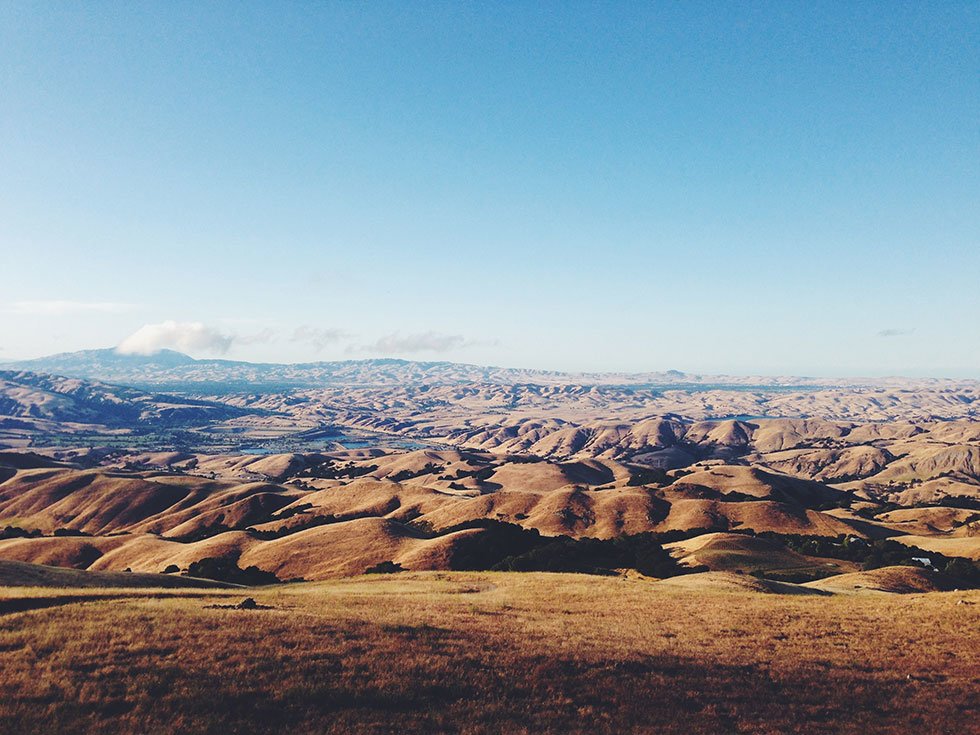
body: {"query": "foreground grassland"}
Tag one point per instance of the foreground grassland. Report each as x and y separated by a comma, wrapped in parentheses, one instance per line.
(487, 653)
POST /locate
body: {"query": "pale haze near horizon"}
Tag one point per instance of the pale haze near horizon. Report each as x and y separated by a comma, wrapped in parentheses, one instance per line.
(708, 187)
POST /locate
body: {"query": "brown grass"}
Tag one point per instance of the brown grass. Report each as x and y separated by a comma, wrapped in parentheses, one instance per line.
(489, 653)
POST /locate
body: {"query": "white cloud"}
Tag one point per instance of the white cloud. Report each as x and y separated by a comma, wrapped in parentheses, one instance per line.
(895, 332)
(60, 308)
(180, 336)
(317, 337)
(393, 344)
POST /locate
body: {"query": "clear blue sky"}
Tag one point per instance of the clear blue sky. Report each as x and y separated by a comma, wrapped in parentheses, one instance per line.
(744, 187)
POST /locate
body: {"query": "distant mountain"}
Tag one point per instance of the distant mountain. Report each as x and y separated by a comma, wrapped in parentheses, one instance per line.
(174, 371)
(29, 395)
(76, 364)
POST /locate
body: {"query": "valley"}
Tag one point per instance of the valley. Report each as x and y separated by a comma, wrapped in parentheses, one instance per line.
(735, 539)
(318, 483)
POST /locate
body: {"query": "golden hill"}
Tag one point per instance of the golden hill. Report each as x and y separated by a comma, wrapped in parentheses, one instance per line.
(728, 582)
(732, 552)
(340, 513)
(902, 580)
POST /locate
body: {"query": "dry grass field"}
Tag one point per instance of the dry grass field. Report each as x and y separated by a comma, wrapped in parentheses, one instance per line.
(487, 653)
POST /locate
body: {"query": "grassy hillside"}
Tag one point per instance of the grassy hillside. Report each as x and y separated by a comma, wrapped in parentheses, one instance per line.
(491, 653)
(21, 574)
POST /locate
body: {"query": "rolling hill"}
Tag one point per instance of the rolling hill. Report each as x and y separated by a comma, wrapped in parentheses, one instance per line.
(403, 463)
(326, 515)
(52, 398)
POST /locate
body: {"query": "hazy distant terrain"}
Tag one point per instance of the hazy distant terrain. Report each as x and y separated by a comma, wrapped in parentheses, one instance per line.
(919, 439)
(436, 400)
(391, 461)
(167, 368)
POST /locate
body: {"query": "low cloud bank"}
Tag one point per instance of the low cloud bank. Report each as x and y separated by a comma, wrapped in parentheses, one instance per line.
(197, 337)
(317, 337)
(180, 336)
(395, 344)
(895, 332)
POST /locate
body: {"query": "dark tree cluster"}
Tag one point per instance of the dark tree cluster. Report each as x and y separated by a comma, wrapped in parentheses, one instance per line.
(508, 547)
(226, 569)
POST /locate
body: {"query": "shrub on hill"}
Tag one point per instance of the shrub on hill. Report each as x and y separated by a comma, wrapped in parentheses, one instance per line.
(962, 569)
(385, 567)
(871, 513)
(225, 569)
(641, 552)
(331, 471)
(482, 474)
(878, 553)
(201, 533)
(431, 468)
(508, 547)
(311, 522)
(15, 532)
(562, 555)
(649, 476)
(958, 501)
(498, 541)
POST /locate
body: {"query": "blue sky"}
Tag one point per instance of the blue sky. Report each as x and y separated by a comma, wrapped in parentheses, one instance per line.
(744, 187)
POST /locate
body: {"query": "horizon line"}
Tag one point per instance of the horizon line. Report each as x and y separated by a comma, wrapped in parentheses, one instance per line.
(842, 376)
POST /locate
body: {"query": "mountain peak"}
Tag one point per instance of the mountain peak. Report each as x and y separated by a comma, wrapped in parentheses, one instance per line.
(163, 358)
